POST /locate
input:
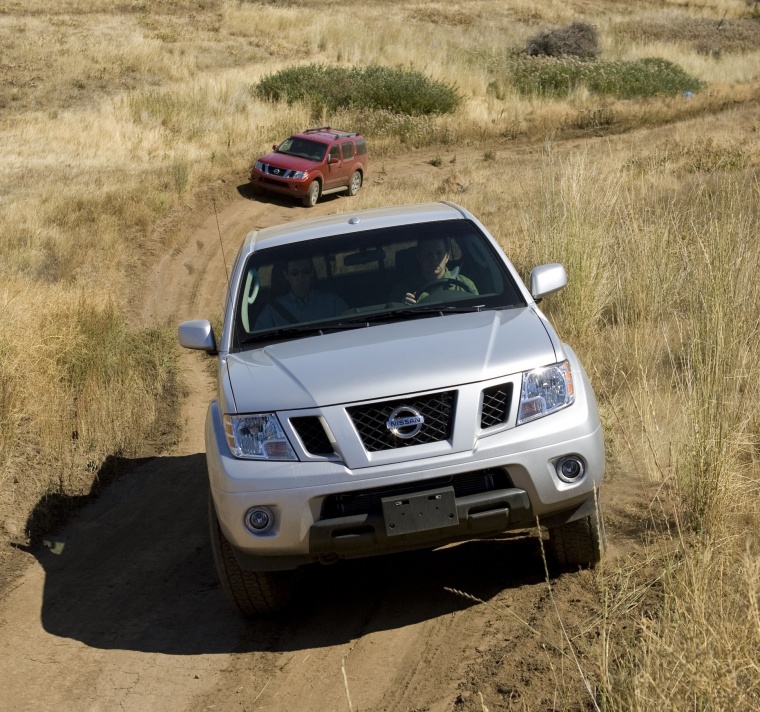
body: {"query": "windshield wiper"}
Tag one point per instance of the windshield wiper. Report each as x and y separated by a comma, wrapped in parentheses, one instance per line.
(409, 313)
(298, 330)
(449, 309)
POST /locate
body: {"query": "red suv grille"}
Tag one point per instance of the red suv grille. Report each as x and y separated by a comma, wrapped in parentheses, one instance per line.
(271, 170)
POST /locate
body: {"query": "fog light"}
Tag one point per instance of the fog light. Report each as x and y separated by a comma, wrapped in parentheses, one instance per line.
(570, 468)
(259, 519)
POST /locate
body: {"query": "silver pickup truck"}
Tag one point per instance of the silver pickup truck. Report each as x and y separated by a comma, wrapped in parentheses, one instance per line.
(386, 382)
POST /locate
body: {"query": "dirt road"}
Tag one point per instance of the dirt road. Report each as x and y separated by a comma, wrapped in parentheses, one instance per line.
(123, 611)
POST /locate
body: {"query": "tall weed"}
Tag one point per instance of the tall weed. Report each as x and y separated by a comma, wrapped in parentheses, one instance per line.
(572, 227)
(681, 629)
(714, 354)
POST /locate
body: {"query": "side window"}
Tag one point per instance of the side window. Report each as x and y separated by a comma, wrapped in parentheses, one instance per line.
(348, 150)
(334, 153)
(361, 147)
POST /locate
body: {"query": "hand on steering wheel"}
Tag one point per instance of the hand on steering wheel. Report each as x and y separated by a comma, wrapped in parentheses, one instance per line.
(438, 285)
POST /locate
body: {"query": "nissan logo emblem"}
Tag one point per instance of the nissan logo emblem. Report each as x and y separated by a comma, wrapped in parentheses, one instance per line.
(405, 422)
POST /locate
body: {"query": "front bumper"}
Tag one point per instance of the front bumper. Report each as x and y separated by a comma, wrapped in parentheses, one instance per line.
(529, 488)
(365, 535)
(295, 188)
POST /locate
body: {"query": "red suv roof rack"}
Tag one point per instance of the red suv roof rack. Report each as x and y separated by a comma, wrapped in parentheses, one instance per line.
(335, 133)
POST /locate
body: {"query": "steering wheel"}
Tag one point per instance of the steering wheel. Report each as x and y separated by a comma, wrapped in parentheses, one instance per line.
(440, 284)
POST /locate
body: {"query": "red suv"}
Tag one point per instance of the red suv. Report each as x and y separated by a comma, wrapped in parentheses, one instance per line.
(313, 163)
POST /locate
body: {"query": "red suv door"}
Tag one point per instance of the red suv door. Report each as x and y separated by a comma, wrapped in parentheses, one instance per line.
(338, 169)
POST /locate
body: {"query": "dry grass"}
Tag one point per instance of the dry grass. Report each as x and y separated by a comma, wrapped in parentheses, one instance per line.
(111, 124)
(703, 35)
(681, 628)
(79, 388)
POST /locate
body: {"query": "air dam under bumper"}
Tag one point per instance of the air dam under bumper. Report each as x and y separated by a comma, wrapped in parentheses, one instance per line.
(284, 187)
(362, 535)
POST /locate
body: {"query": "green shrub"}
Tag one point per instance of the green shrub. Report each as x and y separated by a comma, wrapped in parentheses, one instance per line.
(552, 77)
(401, 91)
(645, 77)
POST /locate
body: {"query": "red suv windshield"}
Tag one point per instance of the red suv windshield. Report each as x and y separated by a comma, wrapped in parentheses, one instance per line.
(303, 148)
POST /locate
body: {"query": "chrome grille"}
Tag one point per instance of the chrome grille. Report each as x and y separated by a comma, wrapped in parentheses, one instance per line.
(496, 401)
(370, 421)
(271, 170)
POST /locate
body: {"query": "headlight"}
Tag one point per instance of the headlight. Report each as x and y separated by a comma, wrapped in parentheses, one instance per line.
(300, 175)
(545, 390)
(259, 166)
(258, 437)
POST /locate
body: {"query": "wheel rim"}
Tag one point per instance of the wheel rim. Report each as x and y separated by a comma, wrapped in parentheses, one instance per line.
(356, 182)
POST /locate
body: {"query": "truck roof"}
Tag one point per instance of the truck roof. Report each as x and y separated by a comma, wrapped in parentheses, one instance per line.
(356, 221)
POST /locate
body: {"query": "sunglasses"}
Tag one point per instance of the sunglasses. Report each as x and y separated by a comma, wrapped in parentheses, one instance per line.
(305, 272)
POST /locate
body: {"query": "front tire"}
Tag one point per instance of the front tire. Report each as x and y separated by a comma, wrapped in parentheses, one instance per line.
(251, 593)
(580, 543)
(355, 184)
(312, 195)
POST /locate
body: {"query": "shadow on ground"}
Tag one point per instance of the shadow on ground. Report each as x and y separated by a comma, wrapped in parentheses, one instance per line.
(245, 190)
(133, 570)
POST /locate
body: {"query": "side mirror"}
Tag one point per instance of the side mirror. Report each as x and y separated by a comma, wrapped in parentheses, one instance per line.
(546, 279)
(275, 146)
(332, 159)
(198, 335)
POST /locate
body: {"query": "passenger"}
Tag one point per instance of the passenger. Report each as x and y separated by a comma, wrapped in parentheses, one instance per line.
(432, 274)
(301, 304)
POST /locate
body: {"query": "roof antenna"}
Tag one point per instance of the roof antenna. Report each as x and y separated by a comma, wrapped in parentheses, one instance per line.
(219, 230)
(224, 259)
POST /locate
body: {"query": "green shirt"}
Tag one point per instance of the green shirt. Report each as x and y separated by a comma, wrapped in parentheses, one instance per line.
(402, 288)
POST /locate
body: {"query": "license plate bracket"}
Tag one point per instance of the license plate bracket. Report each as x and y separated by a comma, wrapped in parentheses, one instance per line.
(420, 511)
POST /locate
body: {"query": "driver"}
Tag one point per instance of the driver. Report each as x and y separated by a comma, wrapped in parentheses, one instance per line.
(433, 255)
(302, 303)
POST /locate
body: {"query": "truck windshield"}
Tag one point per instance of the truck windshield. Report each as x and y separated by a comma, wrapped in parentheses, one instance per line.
(373, 277)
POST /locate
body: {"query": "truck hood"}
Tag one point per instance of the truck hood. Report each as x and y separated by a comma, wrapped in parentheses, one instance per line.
(388, 360)
(291, 162)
